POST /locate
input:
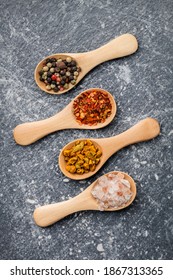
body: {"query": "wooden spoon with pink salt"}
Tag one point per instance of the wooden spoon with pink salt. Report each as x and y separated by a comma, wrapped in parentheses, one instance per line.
(110, 192)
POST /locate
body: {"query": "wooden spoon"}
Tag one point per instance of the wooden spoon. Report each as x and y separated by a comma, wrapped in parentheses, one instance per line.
(48, 214)
(27, 133)
(142, 131)
(121, 46)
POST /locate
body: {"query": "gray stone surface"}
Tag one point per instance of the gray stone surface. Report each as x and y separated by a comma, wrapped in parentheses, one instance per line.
(142, 86)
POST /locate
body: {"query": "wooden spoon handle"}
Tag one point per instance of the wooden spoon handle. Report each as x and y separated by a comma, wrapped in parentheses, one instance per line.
(49, 214)
(144, 130)
(28, 133)
(121, 46)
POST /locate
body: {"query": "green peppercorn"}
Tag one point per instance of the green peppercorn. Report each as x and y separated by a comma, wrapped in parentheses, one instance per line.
(49, 64)
(73, 82)
(45, 68)
(76, 73)
(68, 73)
(66, 86)
(48, 87)
(68, 59)
(52, 86)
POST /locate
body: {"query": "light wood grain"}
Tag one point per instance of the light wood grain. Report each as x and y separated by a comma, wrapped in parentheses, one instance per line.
(121, 46)
(144, 130)
(27, 133)
(48, 214)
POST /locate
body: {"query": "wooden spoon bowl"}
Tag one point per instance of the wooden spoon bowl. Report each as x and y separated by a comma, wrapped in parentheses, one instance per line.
(144, 130)
(48, 214)
(121, 46)
(28, 133)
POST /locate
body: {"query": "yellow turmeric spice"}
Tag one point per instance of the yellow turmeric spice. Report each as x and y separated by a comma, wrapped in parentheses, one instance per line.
(82, 157)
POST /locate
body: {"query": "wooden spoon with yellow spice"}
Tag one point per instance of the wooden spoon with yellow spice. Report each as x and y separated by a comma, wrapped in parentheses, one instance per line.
(144, 130)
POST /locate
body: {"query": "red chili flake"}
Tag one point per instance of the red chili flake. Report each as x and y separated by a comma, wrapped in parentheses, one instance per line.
(92, 107)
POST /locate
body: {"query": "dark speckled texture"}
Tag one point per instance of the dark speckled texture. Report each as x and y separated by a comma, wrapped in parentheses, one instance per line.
(142, 86)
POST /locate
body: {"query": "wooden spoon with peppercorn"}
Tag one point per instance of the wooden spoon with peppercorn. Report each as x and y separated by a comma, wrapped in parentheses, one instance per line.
(76, 115)
(144, 130)
(49, 214)
(58, 73)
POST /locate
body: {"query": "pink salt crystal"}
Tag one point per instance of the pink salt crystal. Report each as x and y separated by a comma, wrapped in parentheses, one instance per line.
(111, 191)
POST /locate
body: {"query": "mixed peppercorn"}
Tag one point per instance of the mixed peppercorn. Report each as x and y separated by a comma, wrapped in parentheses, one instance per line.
(82, 157)
(92, 107)
(58, 73)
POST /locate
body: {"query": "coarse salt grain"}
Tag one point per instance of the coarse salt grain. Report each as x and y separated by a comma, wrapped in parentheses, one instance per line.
(112, 191)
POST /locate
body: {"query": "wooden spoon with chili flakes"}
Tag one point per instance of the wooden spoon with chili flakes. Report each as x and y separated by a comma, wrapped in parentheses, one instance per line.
(28, 133)
(144, 130)
(49, 214)
(121, 46)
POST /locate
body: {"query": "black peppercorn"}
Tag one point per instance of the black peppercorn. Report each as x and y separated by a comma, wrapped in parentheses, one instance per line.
(63, 78)
(41, 72)
(71, 78)
(49, 74)
(48, 60)
(49, 80)
(56, 89)
(57, 69)
(62, 82)
(53, 64)
(62, 72)
(53, 59)
(74, 68)
(73, 63)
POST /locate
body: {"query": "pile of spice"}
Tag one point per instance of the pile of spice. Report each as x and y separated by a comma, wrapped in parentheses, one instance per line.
(82, 157)
(112, 191)
(58, 73)
(92, 107)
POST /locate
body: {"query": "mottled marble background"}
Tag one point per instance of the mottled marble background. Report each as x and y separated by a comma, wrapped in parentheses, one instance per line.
(142, 86)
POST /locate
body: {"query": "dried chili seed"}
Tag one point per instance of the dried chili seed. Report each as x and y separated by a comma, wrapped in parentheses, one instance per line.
(92, 107)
